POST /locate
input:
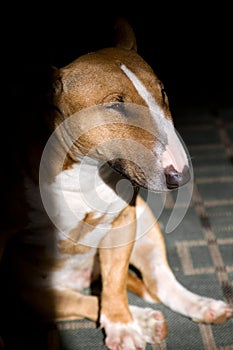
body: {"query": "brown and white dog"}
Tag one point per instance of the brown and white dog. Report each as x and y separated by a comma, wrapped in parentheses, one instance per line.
(109, 132)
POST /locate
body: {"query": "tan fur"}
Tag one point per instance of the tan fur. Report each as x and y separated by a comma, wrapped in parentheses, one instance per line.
(114, 276)
(74, 93)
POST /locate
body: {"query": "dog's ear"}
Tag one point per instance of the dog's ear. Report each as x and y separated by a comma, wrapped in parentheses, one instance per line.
(124, 35)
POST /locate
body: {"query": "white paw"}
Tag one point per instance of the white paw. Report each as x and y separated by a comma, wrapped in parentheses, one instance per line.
(151, 323)
(210, 311)
(148, 326)
(122, 336)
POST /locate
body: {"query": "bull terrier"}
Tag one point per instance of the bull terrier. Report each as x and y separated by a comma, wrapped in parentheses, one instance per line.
(107, 132)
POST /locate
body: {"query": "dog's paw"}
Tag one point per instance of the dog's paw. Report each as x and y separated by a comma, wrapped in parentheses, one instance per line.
(151, 322)
(148, 326)
(122, 336)
(211, 311)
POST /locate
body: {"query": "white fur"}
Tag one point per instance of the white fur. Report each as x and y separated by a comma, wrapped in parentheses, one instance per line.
(174, 153)
(128, 335)
(75, 273)
(74, 193)
(77, 192)
(154, 108)
(145, 328)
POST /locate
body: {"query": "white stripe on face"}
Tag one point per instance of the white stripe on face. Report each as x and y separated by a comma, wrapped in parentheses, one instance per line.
(144, 93)
(174, 153)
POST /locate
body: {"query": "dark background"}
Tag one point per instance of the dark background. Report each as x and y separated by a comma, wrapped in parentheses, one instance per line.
(187, 44)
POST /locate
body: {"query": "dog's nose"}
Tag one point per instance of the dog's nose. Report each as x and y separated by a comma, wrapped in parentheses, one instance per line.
(174, 179)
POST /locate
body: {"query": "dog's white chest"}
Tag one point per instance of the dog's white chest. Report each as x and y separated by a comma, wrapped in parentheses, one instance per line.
(74, 193)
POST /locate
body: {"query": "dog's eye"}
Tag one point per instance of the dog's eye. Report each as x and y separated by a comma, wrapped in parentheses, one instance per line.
(120, 98)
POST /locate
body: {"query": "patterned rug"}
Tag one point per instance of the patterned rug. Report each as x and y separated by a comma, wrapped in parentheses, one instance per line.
(200, 248)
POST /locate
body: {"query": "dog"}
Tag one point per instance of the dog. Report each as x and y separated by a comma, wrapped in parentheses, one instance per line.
(78, 214)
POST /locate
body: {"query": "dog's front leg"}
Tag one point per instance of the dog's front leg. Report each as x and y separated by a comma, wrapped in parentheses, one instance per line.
(115, 316)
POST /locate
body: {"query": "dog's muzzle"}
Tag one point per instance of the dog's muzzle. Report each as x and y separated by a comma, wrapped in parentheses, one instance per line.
(170, 179)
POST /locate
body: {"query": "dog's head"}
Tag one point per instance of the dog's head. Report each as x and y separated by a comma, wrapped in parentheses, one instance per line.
(116, 110)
